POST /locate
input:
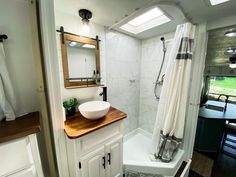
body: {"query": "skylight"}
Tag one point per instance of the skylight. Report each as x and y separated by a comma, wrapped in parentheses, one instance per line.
(149, 15)
(145, 21)
(216, 2)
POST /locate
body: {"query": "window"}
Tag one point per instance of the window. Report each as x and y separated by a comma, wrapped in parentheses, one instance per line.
(145, 21)
(223, 85)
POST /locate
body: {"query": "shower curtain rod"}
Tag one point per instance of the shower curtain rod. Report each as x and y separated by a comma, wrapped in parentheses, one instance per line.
(3, 37)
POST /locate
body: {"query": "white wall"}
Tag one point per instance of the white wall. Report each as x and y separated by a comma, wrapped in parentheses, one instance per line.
(72, 24)
(221, 22)
(15, 22)
(219, 71)
(152, 55)
(123, 56)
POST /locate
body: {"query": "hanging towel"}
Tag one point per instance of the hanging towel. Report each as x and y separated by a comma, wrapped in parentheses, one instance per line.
(8, 100)
(169, 126)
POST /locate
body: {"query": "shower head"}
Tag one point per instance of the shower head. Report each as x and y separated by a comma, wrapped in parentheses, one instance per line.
(164, 45)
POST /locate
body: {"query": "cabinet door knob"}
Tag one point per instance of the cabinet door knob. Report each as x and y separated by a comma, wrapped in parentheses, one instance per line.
(104, 162)
(109, 158)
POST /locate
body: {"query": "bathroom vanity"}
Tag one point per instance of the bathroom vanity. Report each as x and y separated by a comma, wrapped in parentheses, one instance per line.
(95, 147)
(19, 148)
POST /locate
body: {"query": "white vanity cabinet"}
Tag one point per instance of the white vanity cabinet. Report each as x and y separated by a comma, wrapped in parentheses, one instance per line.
(97, 154)
(20, 158)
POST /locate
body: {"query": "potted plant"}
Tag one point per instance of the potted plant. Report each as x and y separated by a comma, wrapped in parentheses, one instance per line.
(70, 106)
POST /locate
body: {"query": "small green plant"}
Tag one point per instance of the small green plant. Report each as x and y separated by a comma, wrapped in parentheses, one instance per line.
(70, 105)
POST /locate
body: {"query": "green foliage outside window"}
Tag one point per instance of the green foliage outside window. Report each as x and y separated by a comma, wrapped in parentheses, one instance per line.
(223, 85)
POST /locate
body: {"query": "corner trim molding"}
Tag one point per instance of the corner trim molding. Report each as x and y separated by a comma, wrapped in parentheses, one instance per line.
(51, 65)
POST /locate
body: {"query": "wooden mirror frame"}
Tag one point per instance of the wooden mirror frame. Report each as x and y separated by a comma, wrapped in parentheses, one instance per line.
(65, 65)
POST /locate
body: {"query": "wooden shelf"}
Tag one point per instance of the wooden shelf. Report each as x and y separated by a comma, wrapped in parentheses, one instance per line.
(77, 126)
(21, 127)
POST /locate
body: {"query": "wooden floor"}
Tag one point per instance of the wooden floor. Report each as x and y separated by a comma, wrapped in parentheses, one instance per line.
(201, 165)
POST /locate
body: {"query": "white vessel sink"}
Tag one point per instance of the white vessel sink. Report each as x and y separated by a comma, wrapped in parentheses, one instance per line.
(94, 109)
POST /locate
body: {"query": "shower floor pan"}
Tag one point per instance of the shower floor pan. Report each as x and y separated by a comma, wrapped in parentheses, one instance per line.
(136, 155)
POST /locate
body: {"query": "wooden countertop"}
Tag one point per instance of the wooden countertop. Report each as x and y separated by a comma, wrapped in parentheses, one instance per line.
(77, 126)
(21, 127)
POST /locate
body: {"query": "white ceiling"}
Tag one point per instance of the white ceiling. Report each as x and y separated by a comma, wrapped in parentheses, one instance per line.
(200, 10)
(105, 12)
(110, 12)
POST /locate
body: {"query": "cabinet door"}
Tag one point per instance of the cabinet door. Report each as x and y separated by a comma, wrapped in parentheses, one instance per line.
(15, 155)
(93, 164)
(114, 158)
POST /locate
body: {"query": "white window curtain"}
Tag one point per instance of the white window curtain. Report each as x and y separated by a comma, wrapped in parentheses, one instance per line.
(7, 97)
(169, 126)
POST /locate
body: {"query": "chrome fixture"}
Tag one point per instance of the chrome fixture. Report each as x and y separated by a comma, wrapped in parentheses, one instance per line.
(85, 15)
(231, 33)
(230, 52)
(164, 44)
(164, 49)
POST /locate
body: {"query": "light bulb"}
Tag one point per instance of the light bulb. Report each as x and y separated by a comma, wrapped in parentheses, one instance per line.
(230, 52)
(231, 33)
(232, 65)
(85, 26)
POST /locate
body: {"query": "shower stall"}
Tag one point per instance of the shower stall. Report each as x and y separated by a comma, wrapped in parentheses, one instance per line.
(137, 156)
(134, 79)
(137, 98)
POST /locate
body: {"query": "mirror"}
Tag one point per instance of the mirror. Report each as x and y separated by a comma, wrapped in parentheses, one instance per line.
(81, 62)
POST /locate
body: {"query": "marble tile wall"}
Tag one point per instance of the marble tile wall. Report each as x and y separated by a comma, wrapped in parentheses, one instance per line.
(152, 54)
(123, 57)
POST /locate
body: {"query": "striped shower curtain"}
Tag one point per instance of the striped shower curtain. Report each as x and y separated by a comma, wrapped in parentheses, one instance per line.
(170, 121)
